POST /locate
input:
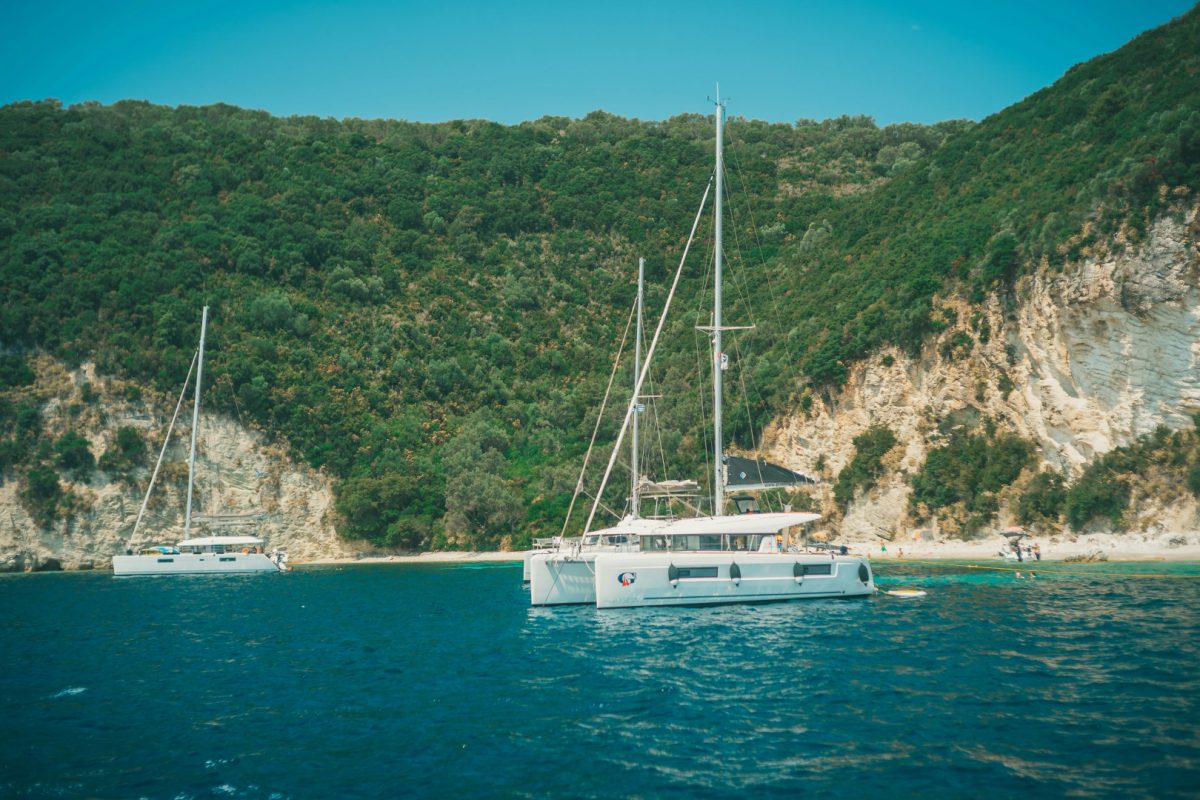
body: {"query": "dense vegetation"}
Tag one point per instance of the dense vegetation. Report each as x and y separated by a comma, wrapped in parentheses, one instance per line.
(1163, 465)
(866, 466)
(962, 478)
(428, 312)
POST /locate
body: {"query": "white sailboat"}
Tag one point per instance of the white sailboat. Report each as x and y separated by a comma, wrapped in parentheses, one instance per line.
(709, 560)
(196, 555)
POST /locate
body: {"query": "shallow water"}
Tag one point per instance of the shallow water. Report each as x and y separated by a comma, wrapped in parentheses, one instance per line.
(440, 681)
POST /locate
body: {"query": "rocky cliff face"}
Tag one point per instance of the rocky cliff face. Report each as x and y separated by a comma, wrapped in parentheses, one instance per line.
(238, 471)
(1086, 359)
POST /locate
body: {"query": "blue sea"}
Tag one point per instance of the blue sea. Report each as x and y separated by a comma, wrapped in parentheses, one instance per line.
(382, 681)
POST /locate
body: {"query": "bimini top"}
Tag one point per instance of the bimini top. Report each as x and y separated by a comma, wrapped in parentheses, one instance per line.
(207, 541)
(738, 523)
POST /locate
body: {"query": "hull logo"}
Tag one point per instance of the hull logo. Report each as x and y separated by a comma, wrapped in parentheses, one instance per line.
(627, 578)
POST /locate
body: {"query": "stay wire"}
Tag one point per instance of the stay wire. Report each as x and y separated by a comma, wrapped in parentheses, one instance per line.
(790, 357)
(599, 417)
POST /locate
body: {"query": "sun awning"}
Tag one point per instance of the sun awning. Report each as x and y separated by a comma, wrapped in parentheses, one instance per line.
(749, 474)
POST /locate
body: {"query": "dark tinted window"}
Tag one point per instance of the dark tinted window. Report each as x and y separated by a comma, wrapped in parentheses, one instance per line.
(697, 572)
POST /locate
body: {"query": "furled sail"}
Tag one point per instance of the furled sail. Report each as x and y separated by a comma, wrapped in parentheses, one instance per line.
(648, 488)
(749, 474)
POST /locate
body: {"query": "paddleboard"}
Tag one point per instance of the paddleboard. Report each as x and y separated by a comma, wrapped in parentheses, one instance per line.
(905, 592)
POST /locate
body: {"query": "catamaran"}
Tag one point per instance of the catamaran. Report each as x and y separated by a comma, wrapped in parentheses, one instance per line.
(705, 560)
(203, 554)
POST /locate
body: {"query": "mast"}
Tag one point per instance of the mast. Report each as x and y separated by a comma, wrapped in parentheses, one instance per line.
(637, 371)
(187, 520)
(718, 445)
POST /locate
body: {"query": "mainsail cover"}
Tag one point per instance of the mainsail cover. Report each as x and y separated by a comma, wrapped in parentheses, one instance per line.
(749, 474)
(650, 488)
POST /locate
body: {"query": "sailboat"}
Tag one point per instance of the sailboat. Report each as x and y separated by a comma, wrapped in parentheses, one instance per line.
(204, 554)
(707, 560)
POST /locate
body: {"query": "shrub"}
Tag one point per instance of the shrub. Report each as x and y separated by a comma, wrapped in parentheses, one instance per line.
(127, 452)
(1044, 500)
(866, 466)
(1098, 493)
(14, 371)
(970, 469)
(42, 495)
(957, 346)
(380, 510)
(1193, 479)
(72, 454)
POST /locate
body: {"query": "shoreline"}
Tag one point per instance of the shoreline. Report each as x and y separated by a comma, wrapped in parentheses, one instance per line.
(431, 557)
(1102, 546)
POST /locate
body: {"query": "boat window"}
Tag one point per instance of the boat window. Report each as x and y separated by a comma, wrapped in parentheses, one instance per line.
(739, 543)
(654, 543)
(689, 542)
(228, 558)
(218, 548)
(711, 542)
(166, 561)
(590, 539)
(746, 504)
(696, 572)
(615, 539)
(818, 569)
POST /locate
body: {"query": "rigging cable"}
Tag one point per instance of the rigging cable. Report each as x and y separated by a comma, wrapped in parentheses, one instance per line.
(791, 360)
(637, 389)
(599, 417)
(163, 451)
(701, 347)
(740, 284)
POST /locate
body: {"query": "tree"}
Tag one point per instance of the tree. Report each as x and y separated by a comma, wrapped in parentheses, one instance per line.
(42, 495)
(386, 510)
(866, 466)
(73, 455)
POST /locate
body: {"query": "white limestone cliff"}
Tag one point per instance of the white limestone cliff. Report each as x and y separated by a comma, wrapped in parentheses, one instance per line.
(1098, 354)
(237, 469)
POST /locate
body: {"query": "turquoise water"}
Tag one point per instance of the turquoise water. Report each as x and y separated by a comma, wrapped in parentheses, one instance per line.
(432, 681)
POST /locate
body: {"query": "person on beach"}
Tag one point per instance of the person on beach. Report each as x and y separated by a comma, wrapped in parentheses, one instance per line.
(1037, 551)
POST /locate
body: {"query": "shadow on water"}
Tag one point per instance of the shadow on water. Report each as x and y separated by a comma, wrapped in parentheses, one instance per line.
(439, 680)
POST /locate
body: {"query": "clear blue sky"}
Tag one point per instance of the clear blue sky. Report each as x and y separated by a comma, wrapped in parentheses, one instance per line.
(431, 61)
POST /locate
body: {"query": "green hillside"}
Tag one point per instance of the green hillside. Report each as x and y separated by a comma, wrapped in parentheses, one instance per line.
(429, 312)
(1112, 143)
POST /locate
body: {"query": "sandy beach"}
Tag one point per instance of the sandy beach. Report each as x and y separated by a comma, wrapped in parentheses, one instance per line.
(1099, 546)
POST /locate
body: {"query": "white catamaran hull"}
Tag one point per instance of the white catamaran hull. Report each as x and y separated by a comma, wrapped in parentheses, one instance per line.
(556, 579)
(194, 563)
(625, 580)
(527, 572)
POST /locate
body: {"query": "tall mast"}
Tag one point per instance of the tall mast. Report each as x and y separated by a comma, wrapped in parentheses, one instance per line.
(637, 371)
(187, 520)
(718, 445)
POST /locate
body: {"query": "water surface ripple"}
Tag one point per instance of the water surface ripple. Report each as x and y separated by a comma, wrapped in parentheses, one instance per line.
(440, 681)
